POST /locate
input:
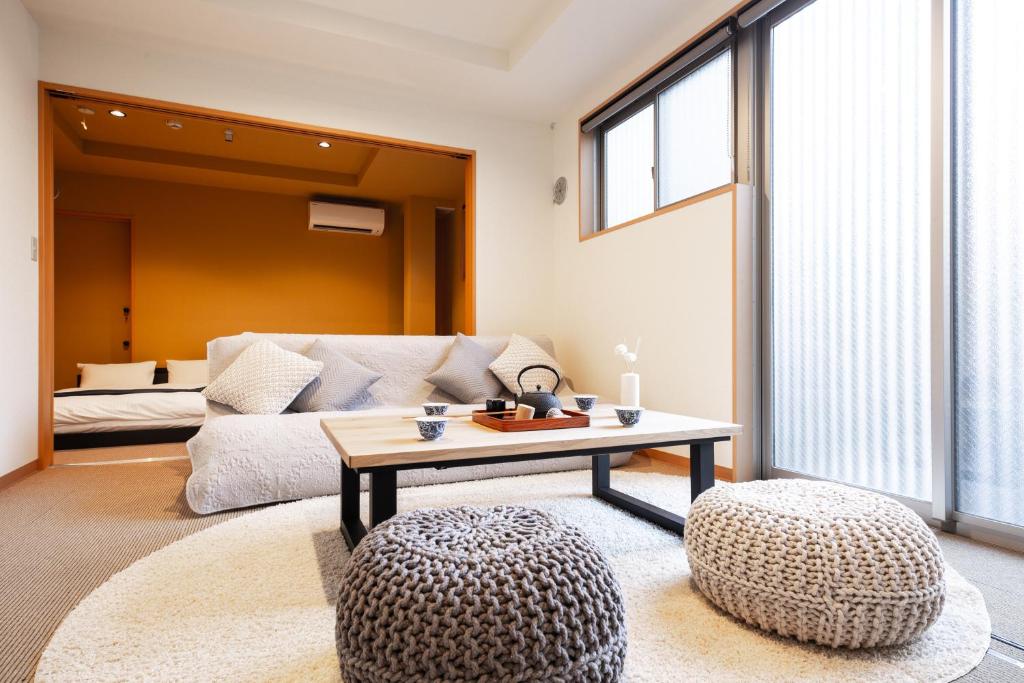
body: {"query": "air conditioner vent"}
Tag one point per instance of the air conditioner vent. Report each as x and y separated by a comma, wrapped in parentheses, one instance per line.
(346, 218)
(334, 228)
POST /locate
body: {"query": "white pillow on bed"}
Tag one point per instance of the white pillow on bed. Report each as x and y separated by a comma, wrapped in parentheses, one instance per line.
(117, 375)
(263, 380)
(190, 372)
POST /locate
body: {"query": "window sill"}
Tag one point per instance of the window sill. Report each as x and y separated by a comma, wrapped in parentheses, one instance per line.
(587, 233)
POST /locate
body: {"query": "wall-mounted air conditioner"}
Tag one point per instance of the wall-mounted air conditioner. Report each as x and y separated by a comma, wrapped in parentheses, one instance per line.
(348, 218)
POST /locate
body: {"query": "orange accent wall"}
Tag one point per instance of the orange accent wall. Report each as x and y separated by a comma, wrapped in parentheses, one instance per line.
(209, 262)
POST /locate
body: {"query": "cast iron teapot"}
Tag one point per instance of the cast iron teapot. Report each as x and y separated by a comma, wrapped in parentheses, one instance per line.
(542, 401)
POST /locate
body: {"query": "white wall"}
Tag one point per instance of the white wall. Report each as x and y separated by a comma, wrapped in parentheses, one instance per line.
(513, 158)
(667, 279)
(528, 256)
(18, 220)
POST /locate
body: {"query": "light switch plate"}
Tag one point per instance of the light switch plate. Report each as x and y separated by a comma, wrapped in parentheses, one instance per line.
(34, 248)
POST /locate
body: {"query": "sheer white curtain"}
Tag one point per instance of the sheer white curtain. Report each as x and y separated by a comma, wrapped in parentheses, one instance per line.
(849, 211)
(695, 132)
(629, 168)
(988, 265)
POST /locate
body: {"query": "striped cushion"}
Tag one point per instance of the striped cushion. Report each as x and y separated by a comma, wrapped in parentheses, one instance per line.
(342, 385)
(464, 373)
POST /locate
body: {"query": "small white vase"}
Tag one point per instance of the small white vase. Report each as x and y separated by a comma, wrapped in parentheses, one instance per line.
(629, 389)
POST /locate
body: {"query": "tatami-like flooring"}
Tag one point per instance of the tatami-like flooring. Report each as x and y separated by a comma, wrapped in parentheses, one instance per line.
(66, 530)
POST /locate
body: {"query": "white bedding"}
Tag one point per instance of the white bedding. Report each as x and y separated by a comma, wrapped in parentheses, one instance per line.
(123, 412)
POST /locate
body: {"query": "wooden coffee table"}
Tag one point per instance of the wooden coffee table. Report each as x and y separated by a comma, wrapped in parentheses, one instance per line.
(380, 446)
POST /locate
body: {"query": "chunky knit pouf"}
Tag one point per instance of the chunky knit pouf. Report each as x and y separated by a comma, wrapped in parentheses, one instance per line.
(816, 561)
(468, 594)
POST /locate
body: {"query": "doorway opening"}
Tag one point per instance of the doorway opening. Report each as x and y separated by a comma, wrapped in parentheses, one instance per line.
(449, 272)
(153, 215)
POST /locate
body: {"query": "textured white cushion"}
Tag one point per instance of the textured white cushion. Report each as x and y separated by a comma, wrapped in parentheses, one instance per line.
(192, 372)
(520, 353)
(263, 380)
(117, 375)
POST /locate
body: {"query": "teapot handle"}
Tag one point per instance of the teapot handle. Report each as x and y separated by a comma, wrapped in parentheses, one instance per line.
(554, 372)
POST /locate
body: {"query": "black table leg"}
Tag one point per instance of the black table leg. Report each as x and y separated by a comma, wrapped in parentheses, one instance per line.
(702, 467)
(601, 478)
(702, 477)
(351, 526)
(383, 496)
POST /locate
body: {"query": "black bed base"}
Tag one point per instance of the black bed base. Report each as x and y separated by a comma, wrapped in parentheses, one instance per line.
(133, 437)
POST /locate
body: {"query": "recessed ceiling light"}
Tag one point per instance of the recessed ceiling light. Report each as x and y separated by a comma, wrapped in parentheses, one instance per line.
(174, 125)
(117, 113)
(86, 110)
(323, 144)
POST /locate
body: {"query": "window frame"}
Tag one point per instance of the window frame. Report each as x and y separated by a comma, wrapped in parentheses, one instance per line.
(649, 99)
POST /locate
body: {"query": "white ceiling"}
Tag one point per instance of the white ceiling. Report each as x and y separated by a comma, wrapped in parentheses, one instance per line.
(525, 59)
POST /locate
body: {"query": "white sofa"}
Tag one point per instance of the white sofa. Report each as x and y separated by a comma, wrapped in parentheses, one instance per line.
(244, 460)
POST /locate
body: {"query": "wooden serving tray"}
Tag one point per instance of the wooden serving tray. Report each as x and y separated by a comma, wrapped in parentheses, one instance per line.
(504, 421)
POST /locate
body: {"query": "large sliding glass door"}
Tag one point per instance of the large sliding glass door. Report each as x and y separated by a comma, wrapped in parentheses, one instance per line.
(848, 152)
(988, 260)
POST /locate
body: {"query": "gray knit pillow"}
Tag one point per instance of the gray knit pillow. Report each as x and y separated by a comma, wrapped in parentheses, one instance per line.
(342, 384)
(464, 373)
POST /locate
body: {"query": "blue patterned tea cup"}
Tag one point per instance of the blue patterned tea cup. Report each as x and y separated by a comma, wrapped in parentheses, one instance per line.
(431, 427)
(585, 402)
(629, 415)
(435, 408)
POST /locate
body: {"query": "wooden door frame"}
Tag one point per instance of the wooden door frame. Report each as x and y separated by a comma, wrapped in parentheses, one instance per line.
(47, 209)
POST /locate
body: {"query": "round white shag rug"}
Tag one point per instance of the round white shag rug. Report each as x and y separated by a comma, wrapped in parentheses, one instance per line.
(252, 600)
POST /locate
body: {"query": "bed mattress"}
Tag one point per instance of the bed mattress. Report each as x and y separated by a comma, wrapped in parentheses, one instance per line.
(77, 411)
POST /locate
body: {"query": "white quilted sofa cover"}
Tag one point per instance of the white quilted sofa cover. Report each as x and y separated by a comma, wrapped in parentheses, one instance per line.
(244, 460)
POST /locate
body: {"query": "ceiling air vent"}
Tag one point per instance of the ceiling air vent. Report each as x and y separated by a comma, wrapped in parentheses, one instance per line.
(346, 218)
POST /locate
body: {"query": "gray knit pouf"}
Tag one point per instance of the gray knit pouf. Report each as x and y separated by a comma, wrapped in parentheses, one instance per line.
(479, 594)
(816, 561)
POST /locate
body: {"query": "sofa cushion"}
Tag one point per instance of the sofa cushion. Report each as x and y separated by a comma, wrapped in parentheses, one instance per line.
(342, 385)
(403, 360)
(263, 380)
(465, 373)
(520, 353)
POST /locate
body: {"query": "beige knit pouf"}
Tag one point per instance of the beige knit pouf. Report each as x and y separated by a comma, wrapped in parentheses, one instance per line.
(816, 561)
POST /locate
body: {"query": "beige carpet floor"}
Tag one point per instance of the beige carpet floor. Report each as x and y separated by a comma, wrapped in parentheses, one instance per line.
(66, 530)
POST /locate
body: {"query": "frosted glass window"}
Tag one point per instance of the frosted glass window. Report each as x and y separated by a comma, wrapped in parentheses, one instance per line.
(695, 132)
(988, 260)
(629, 168)
(850, 227)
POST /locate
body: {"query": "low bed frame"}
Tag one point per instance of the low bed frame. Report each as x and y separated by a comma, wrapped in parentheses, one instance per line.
(128, 437)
